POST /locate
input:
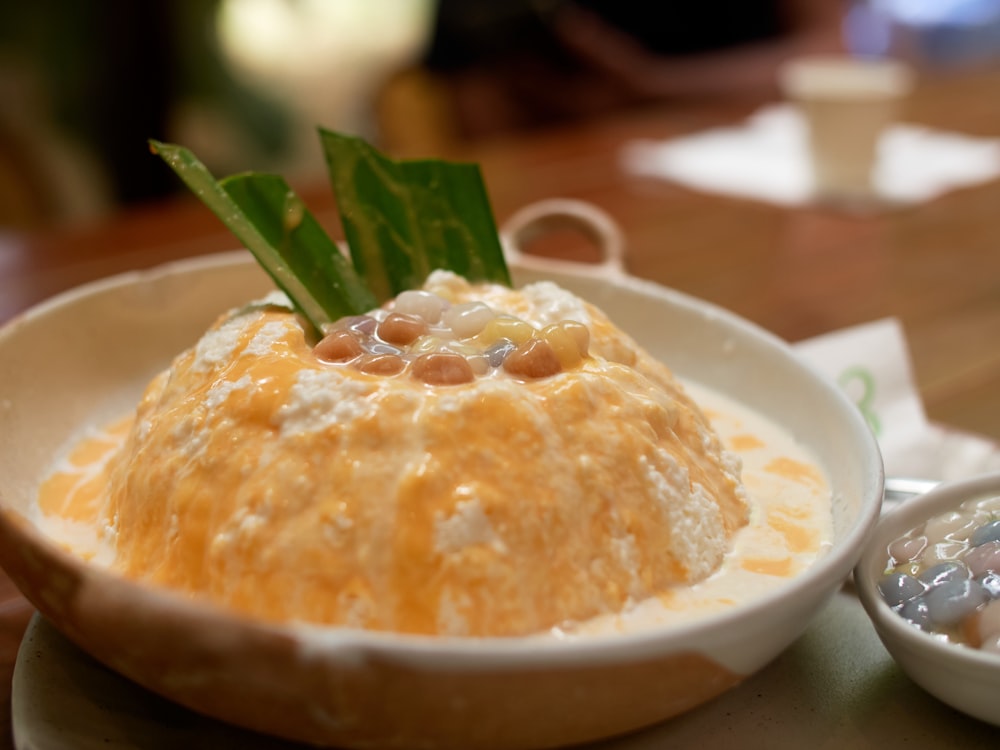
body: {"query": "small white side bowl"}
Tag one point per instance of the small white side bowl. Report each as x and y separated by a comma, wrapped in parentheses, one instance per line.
(964, 678)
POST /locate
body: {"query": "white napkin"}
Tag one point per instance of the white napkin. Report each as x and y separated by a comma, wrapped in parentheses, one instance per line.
(766, 158)
(871, 362)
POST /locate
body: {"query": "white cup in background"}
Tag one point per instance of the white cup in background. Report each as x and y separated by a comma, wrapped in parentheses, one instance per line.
(847, 104)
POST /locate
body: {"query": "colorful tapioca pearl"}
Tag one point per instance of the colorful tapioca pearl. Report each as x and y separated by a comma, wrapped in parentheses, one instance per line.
(338, 346)
(381, 364)
(532, 359)
(506, 327)
(564, 344)
(497, 353)
(400, 329)
(467, 319)
(443, 368)
(362, 324)
(421, 304)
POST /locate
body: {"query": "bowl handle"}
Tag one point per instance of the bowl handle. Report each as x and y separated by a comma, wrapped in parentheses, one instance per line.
(543, 216)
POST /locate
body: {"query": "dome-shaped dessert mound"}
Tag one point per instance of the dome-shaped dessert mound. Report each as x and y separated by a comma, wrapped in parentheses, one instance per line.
(467, 460)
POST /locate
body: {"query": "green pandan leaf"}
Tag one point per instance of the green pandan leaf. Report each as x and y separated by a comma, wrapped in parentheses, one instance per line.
(310, 254)
(404, 219)
(270, 220)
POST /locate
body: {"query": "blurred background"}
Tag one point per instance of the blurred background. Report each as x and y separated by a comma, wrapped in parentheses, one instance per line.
(84, 84)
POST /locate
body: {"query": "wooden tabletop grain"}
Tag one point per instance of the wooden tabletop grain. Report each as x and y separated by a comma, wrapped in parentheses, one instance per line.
(797, 272)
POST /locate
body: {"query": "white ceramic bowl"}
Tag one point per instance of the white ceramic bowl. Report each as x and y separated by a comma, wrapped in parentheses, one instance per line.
(84, 358)
(964, 678)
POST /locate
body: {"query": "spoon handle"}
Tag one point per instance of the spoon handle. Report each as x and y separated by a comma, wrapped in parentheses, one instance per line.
(898, 489)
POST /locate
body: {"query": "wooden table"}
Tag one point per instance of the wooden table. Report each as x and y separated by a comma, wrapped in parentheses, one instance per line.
(799, 272)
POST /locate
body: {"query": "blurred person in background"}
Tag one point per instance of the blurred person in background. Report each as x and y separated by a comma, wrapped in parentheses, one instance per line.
(83, 85)
(243, 83)
(509, 64)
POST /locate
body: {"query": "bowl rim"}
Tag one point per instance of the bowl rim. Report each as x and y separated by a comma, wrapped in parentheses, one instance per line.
(896, 522)
(833, 565)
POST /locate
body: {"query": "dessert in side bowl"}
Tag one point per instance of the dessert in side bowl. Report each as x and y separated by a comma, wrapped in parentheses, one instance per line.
(473, 516)
(927, 580)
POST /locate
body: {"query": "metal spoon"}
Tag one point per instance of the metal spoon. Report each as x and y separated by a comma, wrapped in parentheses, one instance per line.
(900, 489)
